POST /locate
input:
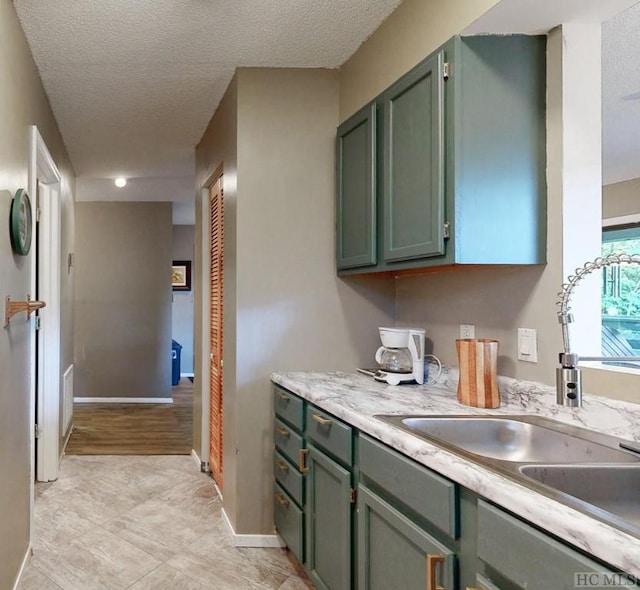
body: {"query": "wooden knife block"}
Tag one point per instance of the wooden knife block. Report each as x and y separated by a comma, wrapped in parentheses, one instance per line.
(478, 362)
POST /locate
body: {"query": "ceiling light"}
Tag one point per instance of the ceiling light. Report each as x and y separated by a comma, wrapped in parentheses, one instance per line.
(121, 181)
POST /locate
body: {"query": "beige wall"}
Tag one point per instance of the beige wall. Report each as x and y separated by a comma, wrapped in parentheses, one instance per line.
(621, 198)
(22, 103)
(291, 311)
(123, 299)
(411, 33)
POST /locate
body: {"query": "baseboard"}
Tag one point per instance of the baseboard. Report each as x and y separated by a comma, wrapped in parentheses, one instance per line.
(66, 441)
(195, 457)
(185, 375)
(123, 400)
(25, 561)
(252, 540)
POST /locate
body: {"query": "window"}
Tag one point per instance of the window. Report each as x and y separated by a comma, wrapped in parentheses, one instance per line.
(621, 294)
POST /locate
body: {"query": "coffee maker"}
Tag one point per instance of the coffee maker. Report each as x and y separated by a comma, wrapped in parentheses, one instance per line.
(401, 356)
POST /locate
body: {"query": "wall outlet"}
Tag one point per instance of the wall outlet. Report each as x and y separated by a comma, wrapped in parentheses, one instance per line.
(467, 331)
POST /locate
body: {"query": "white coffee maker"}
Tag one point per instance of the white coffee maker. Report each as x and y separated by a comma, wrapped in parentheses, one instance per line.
(401, 356)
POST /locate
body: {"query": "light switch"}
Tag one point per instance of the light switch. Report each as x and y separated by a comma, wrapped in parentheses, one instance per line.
(527, 345)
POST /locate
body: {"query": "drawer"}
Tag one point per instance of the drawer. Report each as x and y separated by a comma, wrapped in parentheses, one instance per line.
(289, 522)
(288, 407)
(289, 477)
(430, 495)
(527, 556)
(287, 440)
(330, 434)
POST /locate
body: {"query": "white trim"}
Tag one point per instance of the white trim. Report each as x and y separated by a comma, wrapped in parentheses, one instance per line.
(187, 375)
(25, 561)
(195, 457)
(205, 366)
(252, 540)
(623, 219)
(122, 400)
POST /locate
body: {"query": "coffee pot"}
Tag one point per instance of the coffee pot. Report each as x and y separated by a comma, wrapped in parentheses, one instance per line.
(401, 356)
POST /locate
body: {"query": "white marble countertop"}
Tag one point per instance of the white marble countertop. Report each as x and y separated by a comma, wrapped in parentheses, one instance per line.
(356, 398)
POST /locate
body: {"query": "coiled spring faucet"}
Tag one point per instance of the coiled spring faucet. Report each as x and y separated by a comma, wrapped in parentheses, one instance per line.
(569, 375)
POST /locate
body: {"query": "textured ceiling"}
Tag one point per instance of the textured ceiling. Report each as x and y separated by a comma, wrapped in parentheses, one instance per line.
(133, 83)
(621, 96)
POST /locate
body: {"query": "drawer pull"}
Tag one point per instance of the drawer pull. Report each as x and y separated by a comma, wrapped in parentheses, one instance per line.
(282, 431)
(432, 566)
(282, 500)
(302, 463)
(283, 396)
(282, 465)
(320, 420)
(472, 588)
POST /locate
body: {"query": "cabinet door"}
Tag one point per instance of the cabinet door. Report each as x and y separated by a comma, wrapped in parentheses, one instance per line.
(413, 191)
(356, 190)
(328, 518)
(393, 552)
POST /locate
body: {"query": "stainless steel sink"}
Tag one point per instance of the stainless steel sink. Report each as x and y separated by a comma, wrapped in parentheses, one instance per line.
(613, 488)
(516, 439)
(583, 469)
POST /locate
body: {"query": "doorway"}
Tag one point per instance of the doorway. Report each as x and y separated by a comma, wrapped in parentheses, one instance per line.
(216, 289)
(44, 184)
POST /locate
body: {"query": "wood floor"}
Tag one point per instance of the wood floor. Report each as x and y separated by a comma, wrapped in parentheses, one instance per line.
(135, 429)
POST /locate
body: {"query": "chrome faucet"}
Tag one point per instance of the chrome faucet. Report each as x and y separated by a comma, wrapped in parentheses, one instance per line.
(569, 375)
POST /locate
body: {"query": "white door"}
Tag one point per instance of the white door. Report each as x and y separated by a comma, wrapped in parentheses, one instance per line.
(44, 182)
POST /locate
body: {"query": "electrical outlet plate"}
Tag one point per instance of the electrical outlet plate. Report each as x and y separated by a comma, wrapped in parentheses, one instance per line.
(467, 331)
(527, 345)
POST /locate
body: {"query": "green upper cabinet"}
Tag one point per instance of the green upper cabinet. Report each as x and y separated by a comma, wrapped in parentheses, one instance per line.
(413, 170)
(356, 190)
(460, 162)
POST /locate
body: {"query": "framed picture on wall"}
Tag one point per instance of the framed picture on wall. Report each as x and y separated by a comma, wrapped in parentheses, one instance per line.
(181, 275)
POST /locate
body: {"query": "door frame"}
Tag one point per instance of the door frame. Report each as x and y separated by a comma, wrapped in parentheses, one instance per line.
(47, 386)
(205, 343)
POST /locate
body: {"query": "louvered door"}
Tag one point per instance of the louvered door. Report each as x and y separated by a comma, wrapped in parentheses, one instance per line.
(215, 327)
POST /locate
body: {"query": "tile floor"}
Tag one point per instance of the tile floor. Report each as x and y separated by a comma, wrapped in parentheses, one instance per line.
(143, 523)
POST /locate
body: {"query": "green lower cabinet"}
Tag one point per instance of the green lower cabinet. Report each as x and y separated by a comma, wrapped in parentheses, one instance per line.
(289, 521)
(518, 556)
(393, 552)
(329, 522)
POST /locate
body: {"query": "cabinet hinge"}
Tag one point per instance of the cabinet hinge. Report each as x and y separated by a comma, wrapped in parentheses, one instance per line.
(446, 70)
(38, 214)
(445, 229)
(353, 495)
(38, 321)
(37, 431)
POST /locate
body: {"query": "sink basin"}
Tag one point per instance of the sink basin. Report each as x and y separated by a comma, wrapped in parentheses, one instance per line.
(581, 468)
(517, 439)
(613, 488)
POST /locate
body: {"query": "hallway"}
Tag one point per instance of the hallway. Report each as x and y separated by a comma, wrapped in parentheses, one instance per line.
(142, 523)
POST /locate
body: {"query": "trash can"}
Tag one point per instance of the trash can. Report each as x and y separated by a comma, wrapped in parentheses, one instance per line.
(176, 350)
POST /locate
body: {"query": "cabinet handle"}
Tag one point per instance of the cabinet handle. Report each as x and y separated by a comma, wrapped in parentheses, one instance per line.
(432, 565)
(283, 396)
(282, 465)
(282, 500)
(282, 431)
(320, 420)
(472, 588)
(302, 455)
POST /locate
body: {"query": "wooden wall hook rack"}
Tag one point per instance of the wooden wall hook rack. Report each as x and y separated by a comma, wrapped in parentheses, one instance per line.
(13, 307)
